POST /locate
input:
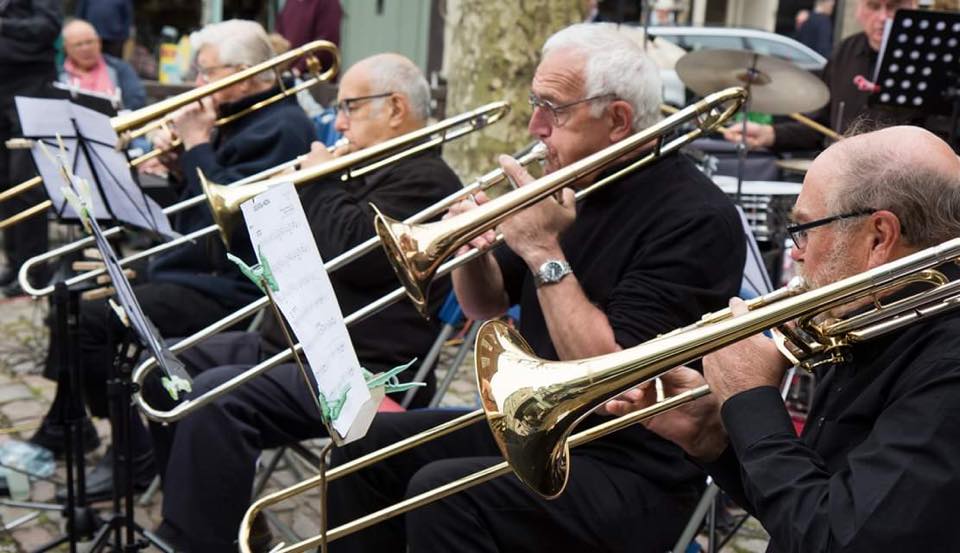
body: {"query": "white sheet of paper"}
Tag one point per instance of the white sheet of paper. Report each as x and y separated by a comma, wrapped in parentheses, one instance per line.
(279, 230)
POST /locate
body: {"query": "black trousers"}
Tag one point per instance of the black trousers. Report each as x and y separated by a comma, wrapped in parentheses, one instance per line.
(29, 237)
(175, 310)
(605, 508)
(211, 463)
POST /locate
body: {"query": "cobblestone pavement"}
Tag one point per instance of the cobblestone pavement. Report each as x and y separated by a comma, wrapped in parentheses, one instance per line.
(25, 396)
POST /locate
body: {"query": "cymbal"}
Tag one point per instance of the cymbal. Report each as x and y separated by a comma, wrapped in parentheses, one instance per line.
(778, 88)
(794, 165)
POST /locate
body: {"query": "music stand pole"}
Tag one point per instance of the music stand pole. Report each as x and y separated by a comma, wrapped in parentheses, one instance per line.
(742, 146)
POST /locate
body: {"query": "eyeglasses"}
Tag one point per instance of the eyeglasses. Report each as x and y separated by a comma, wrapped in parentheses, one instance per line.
(560, 114)
(798, 233)
(347, 105)
(205, 73)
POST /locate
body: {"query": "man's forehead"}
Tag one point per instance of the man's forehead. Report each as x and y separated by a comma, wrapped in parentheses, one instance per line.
(560, 74)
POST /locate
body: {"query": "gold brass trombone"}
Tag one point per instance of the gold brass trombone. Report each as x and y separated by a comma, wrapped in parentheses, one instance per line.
(416, 251)
(532, 405)
(155, 116)
(708, 114)
(221, 197)
(186, 407)
(225, 202)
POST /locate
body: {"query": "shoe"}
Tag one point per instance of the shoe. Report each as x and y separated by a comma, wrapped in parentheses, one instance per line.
(51, 436)
(99, 479)
(172, 537)
(7, 275)
(260, 536)
(13, 290)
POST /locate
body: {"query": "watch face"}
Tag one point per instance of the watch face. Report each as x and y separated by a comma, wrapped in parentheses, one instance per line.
(552, 271)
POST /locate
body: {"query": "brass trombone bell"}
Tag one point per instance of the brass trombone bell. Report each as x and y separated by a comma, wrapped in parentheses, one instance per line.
(416, 251)
(532, 404)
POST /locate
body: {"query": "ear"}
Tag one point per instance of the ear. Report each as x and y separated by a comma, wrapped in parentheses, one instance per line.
(621, 120)
(398, 109)
(885, 238)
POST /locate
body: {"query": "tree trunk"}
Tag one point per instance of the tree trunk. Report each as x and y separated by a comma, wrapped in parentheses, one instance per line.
(492, 48)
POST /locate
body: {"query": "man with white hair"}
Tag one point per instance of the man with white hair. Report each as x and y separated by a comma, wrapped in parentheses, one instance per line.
(647, 253)
(212, 459)
(188, 288)
(877, 467)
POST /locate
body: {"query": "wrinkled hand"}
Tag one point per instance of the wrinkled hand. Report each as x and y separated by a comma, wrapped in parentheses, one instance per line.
(745, 365)
(758, 136)
(694, 426)
(486, 239)
(162, 139)
(317, 155)
(153, 167)
(534, 233)
(194, 122)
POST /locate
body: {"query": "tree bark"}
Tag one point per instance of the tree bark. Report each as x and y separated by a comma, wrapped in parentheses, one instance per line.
(492, 48)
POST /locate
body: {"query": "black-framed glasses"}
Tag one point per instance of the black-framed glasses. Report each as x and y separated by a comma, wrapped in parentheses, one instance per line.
(346, 105)
(798, 233)
(558, 114)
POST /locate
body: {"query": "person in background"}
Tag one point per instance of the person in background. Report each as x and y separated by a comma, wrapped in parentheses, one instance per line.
(817, 31)
(28, 30)
(111, 18)
(301, 21)
(87, 68)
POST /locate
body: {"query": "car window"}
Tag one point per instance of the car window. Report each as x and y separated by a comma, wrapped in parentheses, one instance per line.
(694, 42)
(780, 50)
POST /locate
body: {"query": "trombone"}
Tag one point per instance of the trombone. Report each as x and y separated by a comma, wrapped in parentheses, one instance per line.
(140, 374)
(134, 124)
(225, 199)
(416, 251)
(709, 113)
(532, 405)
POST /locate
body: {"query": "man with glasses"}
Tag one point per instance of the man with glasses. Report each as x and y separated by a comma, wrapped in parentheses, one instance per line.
(877, 467)
(846, 75)
(188, 288)
(650, 252)
(214, 451)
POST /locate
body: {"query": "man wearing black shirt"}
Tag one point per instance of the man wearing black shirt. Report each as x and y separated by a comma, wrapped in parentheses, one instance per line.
(855, 57)
(877, 467)
(652, 251)
(190, 287)
(211, 464)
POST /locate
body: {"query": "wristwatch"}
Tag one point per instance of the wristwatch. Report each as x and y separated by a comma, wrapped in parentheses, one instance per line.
(551, 272)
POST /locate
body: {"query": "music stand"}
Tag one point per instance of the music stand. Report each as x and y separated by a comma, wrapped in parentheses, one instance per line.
(919, 65)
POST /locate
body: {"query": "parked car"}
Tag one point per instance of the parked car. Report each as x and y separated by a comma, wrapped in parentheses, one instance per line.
(711, 38)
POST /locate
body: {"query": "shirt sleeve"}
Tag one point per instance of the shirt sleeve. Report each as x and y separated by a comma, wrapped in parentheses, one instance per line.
(893, 492)
(665, 284)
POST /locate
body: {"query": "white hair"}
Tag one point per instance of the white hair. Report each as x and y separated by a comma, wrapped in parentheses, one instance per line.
(395, 73)
(614, 64)
(239, 42)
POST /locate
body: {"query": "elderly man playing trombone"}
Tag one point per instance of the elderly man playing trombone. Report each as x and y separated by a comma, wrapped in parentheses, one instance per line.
(189, 288)
(213, 457)
(877, 467)
(648, 252)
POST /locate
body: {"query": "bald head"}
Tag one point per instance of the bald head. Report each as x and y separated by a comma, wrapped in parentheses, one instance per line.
(395, 73)
(81, 44)
(906, 170)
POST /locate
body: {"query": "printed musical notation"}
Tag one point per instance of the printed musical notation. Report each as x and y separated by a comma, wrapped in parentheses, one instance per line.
(280, 232)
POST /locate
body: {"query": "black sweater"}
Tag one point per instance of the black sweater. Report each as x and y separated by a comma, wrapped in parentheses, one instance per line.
(258, 141)
(653, 251)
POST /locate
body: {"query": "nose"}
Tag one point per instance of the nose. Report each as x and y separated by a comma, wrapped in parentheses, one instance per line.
(341, 123)
(539, 126)
(796, 254)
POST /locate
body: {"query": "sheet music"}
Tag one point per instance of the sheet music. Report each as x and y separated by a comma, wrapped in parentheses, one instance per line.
(280, 232)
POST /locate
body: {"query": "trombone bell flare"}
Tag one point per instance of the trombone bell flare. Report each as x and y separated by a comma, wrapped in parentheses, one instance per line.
(218, 206)
(414, 267)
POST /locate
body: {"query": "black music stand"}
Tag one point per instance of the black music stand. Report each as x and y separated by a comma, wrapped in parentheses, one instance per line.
(70, 140)
(919, 65)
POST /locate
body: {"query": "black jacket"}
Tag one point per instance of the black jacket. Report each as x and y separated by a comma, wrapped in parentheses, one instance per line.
(253, 143)
(28, 30)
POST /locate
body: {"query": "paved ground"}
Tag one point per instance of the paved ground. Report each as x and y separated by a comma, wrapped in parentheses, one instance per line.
(25, 395)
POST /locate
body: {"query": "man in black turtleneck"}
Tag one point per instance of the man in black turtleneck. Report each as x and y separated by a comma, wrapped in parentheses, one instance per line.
(190, 287)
